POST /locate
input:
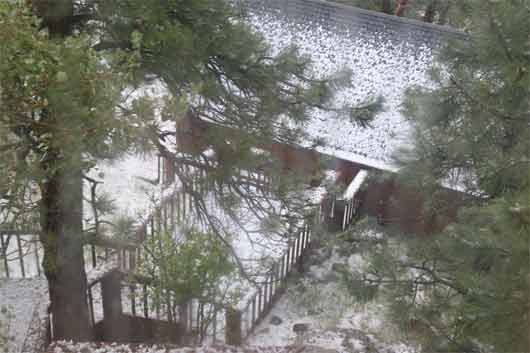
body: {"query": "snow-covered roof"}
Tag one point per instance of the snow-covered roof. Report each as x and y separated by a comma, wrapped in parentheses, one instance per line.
(386, 55)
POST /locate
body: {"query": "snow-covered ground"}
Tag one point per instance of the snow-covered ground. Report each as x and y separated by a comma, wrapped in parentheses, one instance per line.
(23, 311)
(130, 182)
(69, 347)
(335, 320)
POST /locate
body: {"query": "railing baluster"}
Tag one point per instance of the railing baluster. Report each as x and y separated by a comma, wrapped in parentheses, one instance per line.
(265, 296)
(37, 259)
(91, 304)
(259, 305)
(177, 200)
(93, 252)
(146, 307)
(253, 312)
(21, 256)
(288, 259)
(270, 287)
(132, 289)
(4, 253)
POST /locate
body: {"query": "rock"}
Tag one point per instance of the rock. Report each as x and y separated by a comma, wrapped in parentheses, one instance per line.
(315, 349)
(340, 268)
(276, 320)
(264, 331)
(330, 277)
(300, 328)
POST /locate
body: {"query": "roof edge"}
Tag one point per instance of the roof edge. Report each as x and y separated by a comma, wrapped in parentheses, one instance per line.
(393, 18)
(352, 10)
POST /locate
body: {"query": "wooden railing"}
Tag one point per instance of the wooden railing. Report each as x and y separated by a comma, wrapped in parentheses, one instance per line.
(202, 320)
(350, 210)
(240, 322)
(20, 254)
(117, 294)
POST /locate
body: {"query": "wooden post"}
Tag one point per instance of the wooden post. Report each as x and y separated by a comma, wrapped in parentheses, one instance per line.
(233, 334)
(146, 308)
(93, 252)
(112, 306)
(253, 313)
(91, 303)
(260, 307)
(4, 254)
(169, 317)
(183, 316)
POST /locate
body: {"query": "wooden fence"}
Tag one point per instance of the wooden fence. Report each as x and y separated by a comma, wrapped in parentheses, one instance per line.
(240, 323)
(116, 294)
(20, 254)
(350, 210)
(201, 320)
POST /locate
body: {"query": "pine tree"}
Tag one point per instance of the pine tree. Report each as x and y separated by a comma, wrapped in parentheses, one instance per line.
(67, 69)
(467, 288)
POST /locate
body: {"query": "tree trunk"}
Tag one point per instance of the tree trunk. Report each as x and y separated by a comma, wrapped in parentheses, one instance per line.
(401, 6)
(430, 11)
(61, 211)
(63, 262)
(386, 7)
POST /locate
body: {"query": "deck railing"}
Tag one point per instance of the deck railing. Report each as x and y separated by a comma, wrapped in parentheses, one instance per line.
(240, 322)
(20, 254)
(135, 297)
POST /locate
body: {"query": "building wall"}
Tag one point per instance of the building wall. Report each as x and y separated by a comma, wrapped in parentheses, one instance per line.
(398, 205)
(388, 199)
(192, 137)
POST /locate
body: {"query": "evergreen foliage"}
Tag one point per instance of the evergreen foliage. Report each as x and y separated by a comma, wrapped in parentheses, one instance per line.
(72, 80)
(191, 268)
(467, 288)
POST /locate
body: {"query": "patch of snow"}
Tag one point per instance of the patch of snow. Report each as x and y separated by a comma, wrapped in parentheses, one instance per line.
(31, 251)
(26, 301)
(130, 182)
(103, 268)
(355, 185)
(337, 321)
(70, 347)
